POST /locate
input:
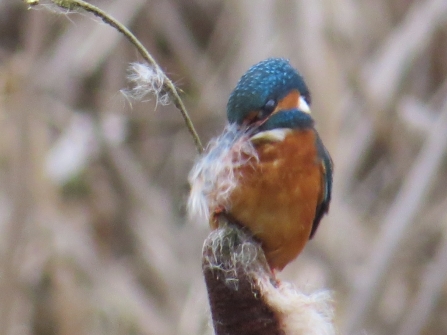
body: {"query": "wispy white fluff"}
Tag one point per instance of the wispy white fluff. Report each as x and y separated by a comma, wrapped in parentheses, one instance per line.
(52, 7)
(145, 80)
(246, 254)
(214, 175)
(300, 313)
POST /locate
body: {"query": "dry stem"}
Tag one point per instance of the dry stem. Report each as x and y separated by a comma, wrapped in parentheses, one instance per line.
(168, 84)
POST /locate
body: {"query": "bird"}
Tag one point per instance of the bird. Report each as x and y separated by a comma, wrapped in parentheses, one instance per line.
(269, 171)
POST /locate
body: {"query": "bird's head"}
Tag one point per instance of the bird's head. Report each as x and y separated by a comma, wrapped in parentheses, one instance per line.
(267, 88)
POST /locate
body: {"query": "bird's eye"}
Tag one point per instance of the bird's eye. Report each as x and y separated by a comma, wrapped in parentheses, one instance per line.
(268, 109)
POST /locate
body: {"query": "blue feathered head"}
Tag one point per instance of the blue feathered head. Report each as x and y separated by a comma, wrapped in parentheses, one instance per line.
(267, 81)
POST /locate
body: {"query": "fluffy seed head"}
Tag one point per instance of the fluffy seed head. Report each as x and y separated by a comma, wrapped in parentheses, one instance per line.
(214, 176)
(145, 80)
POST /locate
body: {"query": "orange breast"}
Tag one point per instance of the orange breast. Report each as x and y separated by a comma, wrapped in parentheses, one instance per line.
(276, 198)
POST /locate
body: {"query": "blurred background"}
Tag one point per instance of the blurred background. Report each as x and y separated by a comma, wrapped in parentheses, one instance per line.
(93, 233)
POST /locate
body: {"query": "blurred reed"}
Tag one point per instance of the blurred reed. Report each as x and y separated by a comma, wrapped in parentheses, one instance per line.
(93, 233)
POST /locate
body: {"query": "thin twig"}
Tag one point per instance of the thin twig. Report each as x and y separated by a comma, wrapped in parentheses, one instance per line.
(168, 84)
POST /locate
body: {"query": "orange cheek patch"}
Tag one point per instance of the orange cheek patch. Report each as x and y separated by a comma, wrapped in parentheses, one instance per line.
(290, 101)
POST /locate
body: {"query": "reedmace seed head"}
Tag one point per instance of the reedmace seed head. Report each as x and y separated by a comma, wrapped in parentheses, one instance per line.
(145, 80)
(215, 174)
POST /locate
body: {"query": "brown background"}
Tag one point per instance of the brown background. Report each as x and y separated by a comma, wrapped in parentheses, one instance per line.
(93, 235)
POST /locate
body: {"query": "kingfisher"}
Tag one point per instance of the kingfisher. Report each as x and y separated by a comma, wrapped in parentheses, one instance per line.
(269, 171)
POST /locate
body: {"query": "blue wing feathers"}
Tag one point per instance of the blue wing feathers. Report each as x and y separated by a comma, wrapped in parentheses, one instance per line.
(327, 168)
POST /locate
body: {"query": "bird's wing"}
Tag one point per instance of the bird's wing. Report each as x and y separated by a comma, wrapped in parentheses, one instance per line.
(326, 176)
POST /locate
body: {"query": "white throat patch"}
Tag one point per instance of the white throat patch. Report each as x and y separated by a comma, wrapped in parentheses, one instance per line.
(274, 135)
